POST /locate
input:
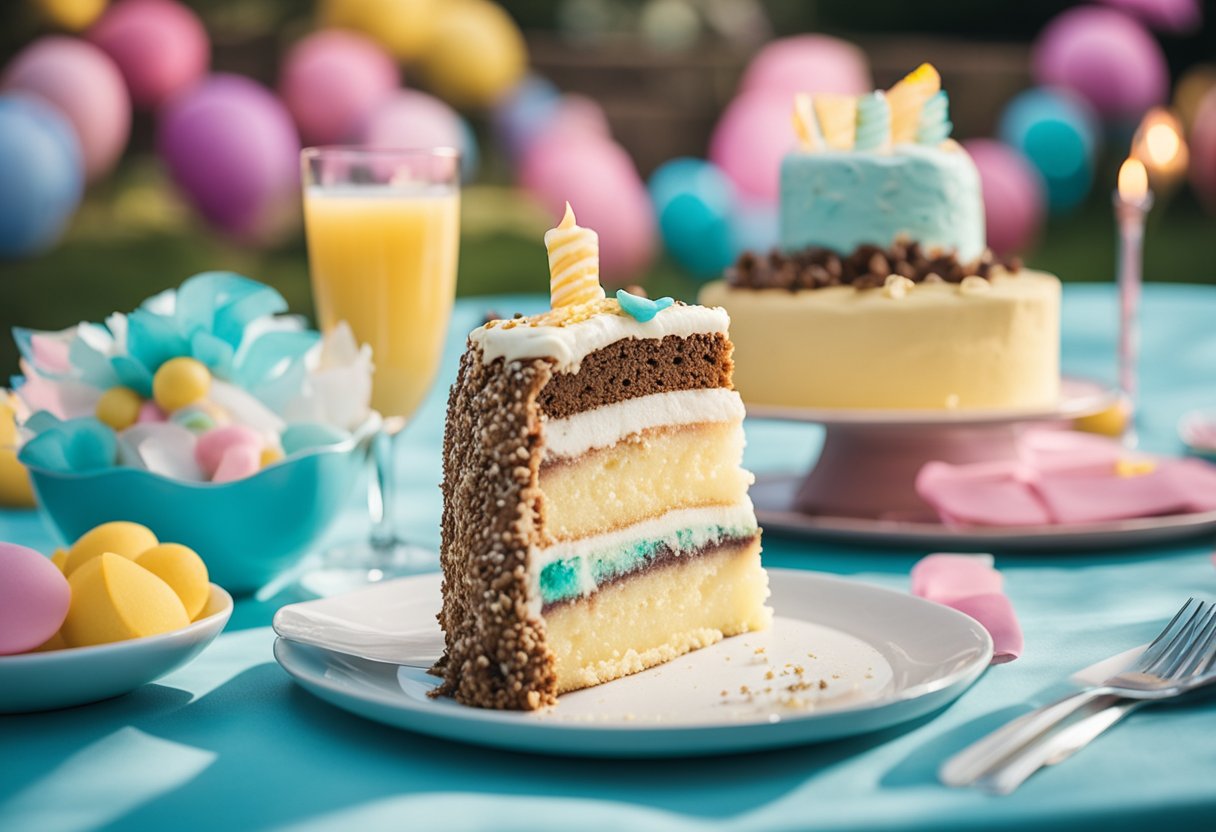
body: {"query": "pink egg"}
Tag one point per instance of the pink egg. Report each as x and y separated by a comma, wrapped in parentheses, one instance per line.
(331, 81)
(85, 85)
(1203, 150)
(809, 63)
(1106, 57)
(160, 47)
(212, 445)
(599, 180)
(238, 462)
(34, 598)
(750, 140)
(1015, 197)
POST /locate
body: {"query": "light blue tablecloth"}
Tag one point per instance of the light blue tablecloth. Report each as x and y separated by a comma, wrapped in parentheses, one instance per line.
(230, 743)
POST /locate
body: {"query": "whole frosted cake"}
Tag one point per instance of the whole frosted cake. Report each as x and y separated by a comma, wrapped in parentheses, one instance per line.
(883, 294)
(596, 519)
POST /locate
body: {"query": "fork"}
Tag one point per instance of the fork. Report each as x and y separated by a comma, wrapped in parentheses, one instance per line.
(1178, 660)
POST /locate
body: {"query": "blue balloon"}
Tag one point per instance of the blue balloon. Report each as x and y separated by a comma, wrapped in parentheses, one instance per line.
(1058, 133)
(41, 174)
(521, 115)
(694, 201)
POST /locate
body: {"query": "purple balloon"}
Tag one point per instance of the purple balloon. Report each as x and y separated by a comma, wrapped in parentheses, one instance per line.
(751, 138)
(1174, 16)
(1106, 57)
(332, 81)
(1015, 197)
(86, 86)
(809, 63)
(230, 145)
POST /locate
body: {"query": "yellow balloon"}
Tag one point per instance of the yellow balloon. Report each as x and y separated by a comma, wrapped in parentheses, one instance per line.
(403, 27)
(115, 599)
(128, 540)
(73, 15)
(476, 53)
(119, 407)
(180, 382)
(183, 570)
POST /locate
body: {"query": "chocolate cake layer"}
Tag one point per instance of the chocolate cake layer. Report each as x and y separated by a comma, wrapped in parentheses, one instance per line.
(663, 557)
(638, 367)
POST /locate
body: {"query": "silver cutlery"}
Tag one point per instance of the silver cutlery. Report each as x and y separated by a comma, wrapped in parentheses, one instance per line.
(1179, 660)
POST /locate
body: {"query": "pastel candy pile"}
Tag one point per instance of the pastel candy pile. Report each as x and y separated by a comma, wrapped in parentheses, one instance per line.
(1062, 477)
(971, 585)
(34, 599)
(144, 389)
(117, 582)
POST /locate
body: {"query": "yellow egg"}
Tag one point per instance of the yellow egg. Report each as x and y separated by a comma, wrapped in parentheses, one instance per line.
(15, 488)
(115, 599)
(1109, 422)
(180, 382)
(475, 54)
(119, 407)
(73, 15)
(55, 642)
(59, 557)
(270, 456)
(403, 27)
(120, 538)
(183, 570)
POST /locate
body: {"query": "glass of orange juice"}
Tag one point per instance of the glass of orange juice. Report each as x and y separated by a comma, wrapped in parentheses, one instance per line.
(383, 228)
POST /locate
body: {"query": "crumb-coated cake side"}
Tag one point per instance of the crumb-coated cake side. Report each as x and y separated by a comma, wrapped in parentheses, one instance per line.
(596, 519)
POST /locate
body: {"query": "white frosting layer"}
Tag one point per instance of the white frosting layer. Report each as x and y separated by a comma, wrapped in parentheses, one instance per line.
(604, 426)
(701, 521)
(569, 345)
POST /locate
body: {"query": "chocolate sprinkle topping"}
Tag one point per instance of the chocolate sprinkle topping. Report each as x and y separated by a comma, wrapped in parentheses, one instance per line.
(866, 268)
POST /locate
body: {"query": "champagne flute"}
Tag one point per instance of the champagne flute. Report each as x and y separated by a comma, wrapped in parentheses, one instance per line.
(383, 230)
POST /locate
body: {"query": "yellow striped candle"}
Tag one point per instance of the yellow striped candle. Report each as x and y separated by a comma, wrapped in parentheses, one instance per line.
(574, 263)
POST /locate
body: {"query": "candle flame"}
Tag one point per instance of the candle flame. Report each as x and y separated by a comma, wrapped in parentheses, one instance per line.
(1133, 180)
(1163, 143)
(1160, 145)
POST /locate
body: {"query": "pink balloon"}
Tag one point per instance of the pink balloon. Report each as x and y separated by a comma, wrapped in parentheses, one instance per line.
(809, 63)
(85, 85)
(1015, 198)
(751, 138)
(160, 47)
(1106, 57)
(409, 118)
(1176, 16)
(1203, 150)
(332, 81)
(601, 183)
(579, 114)
(230, 145)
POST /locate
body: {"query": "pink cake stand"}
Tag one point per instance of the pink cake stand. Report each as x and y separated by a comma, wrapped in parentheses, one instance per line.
(862, 487)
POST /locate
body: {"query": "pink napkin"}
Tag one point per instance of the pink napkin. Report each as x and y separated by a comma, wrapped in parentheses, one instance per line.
(1066, 477)
(970, 584)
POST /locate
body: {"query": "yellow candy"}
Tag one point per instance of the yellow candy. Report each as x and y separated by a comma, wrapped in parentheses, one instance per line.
(907, 98)
(184, 572)
(59, 557)
(1109, 422)
(180, 382)
(270, 455)
(8, 421)
(55, 642)
(1134, 467)
(15, 488)
(120, 537)
(115, 599)
(118, 407)
(837, 116)
(574, 263)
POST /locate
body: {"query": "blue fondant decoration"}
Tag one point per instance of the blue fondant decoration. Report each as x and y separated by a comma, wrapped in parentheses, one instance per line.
(639, 308)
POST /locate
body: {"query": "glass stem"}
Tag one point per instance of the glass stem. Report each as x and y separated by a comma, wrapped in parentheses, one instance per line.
(382, 490)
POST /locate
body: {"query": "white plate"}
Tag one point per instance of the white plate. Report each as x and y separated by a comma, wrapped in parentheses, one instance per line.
(773, 496)
(79, 675)
(883, 657)
(1078, 397)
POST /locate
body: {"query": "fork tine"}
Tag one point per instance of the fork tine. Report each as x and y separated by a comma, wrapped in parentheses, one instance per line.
(1201, 652)
(1164, 638)
(1169, 665)
(1167, 650)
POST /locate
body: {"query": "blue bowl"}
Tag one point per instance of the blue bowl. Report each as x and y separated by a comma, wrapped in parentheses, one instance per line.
(247, 531)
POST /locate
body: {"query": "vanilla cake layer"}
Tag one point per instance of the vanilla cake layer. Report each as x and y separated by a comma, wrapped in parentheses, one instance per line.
(643, 476)
(979, 344)
(657, 615)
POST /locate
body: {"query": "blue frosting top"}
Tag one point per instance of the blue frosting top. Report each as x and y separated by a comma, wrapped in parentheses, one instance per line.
(841, 200)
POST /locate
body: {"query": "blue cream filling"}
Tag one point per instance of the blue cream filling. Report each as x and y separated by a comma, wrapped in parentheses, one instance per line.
(577, 575)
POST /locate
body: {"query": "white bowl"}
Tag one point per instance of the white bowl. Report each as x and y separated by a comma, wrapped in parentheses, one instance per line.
(79, 675)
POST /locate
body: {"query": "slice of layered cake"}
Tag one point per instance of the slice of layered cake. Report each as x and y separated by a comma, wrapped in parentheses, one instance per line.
(596, 519)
